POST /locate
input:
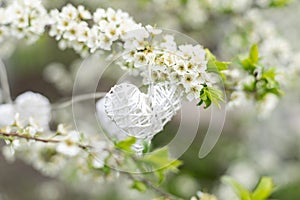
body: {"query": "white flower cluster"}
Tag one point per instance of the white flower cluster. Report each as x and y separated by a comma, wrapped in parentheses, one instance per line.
(52, 158)
(47, 151)
(23, 19)
(29, 107)
(164, 61)
(76, 27)
(70, 27)
(274, 51)
(110, 26)
(241, 98)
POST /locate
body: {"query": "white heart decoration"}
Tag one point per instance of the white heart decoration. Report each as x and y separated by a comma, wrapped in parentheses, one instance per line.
(142, 115)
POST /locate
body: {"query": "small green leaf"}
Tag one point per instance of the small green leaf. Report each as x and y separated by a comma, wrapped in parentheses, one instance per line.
(210, 95)
(126, 144)
(160, 159)
(271, 73)
(270, 84)
(253, 55)
(250, 63)
(211, 61)
(264, 189)
(216, 96)
(138, 185)
(247, 65)
(242, 192)
(160, 175)
(213, 65)
(280, 3)
(222, 65)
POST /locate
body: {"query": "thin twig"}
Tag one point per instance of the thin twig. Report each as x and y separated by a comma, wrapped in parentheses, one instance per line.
(76, 99)
(44, 140)
(145, 181)
(152, 186)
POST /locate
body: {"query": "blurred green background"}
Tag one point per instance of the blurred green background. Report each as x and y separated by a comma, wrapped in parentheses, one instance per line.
(249, 147)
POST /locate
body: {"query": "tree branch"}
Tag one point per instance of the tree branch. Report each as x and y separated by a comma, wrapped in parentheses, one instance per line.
(44, 140)
(157, 190)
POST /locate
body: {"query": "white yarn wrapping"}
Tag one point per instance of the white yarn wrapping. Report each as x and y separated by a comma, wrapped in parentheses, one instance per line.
(142, 115)
(165, 102)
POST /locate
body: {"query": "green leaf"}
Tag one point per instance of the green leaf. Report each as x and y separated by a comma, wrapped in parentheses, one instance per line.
(280, 3)
(250, 63)
(242, 192)
(126, 144)
(213, 65)
(271, 73)
(160, 175)
(138, 185)
(210, 95)
(247, 65)
(216, 96)
(253, 55)
(211, 61)
(204, 99)
(264, 189)
(160, 159)
(222, 65)
(271, 85)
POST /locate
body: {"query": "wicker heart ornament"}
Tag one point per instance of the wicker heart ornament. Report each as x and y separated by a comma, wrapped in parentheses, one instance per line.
(142, 115)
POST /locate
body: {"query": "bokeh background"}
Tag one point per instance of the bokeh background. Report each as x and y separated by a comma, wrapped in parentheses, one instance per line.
(250, 145)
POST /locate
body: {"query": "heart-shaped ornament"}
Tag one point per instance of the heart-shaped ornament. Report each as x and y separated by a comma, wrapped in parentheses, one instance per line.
(142, 115)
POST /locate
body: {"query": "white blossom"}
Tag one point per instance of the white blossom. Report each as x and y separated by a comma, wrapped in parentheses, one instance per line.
(100, 153)
(83, 13)
(152, 30)
(69, 146)
(267, 105)
(20, 13)
(30, 107)
(33, 105)
(237, 99)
